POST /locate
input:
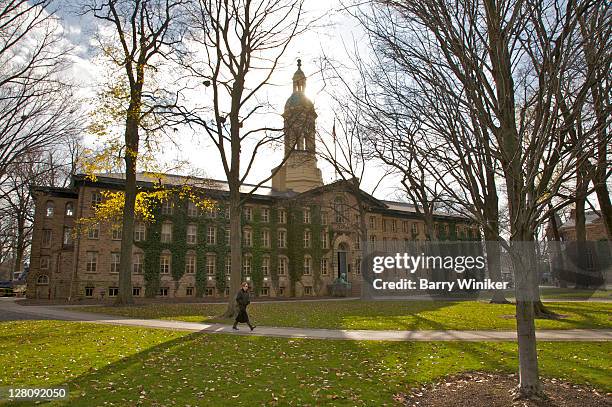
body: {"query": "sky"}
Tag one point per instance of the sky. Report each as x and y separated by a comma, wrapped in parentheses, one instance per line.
(334, 35)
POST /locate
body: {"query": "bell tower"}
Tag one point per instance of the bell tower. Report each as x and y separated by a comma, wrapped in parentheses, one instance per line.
(300, 172)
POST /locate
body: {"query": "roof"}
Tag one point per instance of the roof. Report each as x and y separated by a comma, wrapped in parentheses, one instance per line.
(407, 207)
(383, 206)
(150, 179)
(592, 218)
(55, 191)
(298, 99)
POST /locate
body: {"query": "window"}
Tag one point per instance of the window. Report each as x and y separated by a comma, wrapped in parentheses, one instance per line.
(89, 291)
(50, 209)
(264, 291)
(246, 265)
(372, 238)
(190, 263)
(324, 239)
(163, 292)
(135, 291)
(385, 223)
(282, 266)
(415, 228)
(372, 222)
(137, 262)
(265, 215)
(247, 237)
(307, 290)
(43, 279)
(339, 208)
(192, 209)
(93, 232)
(282, 239)
(307, 266)
(209, 292)
(324, 218)
(167, 207)
(46, 237)
(393, 225)
(44, 262)
(164, 264)
(358, 266)
(166, 233)
(405, 227)
(227, 237)
(211, 213)
(140, 231)
(91, 262)
(116, 232)
(211, 265)
(69, 209)
(358, 242)
(307, 239)
(247, 211)
(113, 291)
(96, 198)
(306, 215)
(189, 291)
(324, 267)
(115, 259)
(265, 238)
(281, 291)
(192, 232)
(282, 216)
(228, 265)
(265, 266)
(211, 235)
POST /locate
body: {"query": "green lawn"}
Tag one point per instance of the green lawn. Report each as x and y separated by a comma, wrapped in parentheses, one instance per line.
(396, 315)
(573, 294)
(121, 366)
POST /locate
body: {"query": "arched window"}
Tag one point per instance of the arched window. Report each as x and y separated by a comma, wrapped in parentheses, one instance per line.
(43, 279)
(50, 209)
(69, 209)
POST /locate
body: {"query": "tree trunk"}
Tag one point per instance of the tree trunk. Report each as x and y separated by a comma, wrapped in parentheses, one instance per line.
(558, 257)
(127, 234)
(494, 264)
(582, 183)
(124, 296)
(526, 291)
(235, 252)
(605, 206)
(20, 246)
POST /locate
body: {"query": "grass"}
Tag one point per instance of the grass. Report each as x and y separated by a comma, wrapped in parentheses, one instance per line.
(114, 365)
(573, 293)
(393, 315)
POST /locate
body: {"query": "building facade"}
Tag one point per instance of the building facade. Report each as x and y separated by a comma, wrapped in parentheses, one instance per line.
(298, 235)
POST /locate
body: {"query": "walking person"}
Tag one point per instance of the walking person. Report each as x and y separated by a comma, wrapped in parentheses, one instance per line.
(242, 298)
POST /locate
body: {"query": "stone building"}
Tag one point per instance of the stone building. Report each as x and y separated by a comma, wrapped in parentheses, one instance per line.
(298, 235)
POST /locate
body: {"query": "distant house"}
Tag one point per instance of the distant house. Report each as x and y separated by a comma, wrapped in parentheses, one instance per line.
(595, 227)
(583, 264)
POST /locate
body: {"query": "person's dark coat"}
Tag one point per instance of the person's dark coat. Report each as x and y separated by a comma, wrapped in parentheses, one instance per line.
(242, 299)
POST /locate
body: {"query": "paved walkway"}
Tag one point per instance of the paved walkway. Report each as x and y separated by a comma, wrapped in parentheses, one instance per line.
(15, 311)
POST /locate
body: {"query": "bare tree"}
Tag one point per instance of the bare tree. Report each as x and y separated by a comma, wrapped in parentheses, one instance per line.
(45, 168)
(144, 31)
(505, 63)
(238, 47)
(37, 107)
